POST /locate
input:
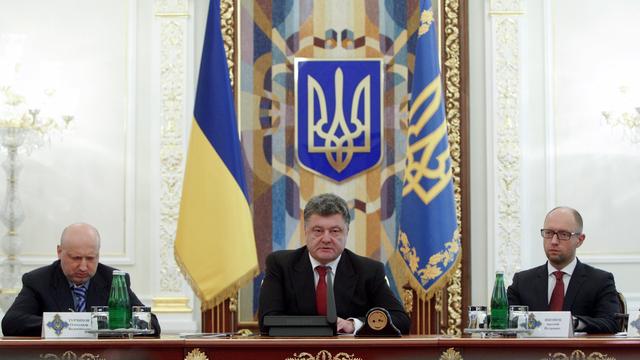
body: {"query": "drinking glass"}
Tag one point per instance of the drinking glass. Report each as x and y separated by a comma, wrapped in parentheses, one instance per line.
(519, 317)
(99, 317)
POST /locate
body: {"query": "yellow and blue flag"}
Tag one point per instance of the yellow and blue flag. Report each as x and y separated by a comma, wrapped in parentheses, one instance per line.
(428, 243)
(215, 244)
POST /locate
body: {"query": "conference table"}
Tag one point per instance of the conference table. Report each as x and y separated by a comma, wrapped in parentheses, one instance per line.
(334, 348)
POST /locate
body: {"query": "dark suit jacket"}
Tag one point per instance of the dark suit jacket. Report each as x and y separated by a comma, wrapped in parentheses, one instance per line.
(46, 289)
(288, 287)
(591, 295)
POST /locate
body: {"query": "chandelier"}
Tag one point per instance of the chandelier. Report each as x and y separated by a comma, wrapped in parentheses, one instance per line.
(625, 117)
(27, 123)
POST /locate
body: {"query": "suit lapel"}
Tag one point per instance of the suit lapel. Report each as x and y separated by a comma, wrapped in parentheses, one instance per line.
(577, 279)
(98, 292)
(541, 288)
(344, 283)
(62, 291)
(303, 284)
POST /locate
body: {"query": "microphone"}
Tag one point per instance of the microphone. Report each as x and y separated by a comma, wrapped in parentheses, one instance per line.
(332, 317)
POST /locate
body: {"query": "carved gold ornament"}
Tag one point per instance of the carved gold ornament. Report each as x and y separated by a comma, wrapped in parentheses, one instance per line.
(228, 28)
(70, 355)
(452, 68)
(407, 300)
(196, 354)
(451, 354)
(579, 355)
(323, 355)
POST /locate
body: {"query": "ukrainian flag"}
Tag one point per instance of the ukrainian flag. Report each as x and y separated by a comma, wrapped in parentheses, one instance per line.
(428, 243)
(215, 245)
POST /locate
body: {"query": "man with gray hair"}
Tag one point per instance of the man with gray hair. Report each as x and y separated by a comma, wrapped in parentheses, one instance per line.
(295, 281)
(74, 282)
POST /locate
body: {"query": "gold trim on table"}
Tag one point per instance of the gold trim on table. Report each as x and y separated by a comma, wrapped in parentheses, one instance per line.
(323, 355)
(70, 355)
(451, 354)
(578, 355)
(196, 354)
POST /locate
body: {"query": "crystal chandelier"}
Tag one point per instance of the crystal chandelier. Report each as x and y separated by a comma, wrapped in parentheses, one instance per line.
(24, 127)
(625, 116)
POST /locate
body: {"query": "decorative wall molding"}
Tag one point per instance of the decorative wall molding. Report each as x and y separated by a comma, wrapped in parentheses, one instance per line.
(172, 16)
(504, 119)
(452, 66)
(610, 259)
(227, 25)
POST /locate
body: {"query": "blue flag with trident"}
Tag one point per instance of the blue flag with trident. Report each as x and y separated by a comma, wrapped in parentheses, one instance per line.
(428, 245)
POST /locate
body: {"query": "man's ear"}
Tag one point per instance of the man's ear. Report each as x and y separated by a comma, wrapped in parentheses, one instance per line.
(59, 250)
(581, 238)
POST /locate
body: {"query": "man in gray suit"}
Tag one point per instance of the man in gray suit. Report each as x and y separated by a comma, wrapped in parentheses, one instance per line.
(564, 283)
(292, 276)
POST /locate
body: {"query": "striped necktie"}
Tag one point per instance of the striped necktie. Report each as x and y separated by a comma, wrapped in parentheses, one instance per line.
(80, 294)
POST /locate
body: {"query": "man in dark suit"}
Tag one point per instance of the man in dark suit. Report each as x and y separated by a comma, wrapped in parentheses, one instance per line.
(564, 283)
(60, 286)
(292, 277)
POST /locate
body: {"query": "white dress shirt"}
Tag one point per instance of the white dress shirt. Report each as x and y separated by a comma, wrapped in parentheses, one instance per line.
(333, 268)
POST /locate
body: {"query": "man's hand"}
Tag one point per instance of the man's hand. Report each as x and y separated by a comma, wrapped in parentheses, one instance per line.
(345, 326)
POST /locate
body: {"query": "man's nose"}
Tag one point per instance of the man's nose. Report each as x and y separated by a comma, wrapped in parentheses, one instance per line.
(326, 237)
(83, 264)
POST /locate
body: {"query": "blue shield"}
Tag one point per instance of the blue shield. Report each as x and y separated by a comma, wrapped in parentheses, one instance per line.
(338, 116)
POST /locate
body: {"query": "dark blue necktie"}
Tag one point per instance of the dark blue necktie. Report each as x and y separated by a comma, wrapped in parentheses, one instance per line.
(80, 292)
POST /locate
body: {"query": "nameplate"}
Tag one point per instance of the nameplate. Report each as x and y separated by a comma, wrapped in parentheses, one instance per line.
(66, 325)
(633, 329)
(550, 324)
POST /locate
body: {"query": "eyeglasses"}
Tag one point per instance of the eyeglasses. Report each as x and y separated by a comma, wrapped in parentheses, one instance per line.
(562, 235)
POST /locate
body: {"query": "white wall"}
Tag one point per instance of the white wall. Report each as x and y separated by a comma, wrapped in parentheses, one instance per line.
(542, 72)
(131, 66)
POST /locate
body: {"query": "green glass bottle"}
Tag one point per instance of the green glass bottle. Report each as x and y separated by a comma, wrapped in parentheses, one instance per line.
(499, 304)
(119, 304)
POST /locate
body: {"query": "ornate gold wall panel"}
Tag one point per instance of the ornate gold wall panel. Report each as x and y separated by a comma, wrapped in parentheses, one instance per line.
(452, 70)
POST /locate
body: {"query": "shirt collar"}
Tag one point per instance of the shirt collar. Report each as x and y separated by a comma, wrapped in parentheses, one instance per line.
(333, 265)
(567, 269)
(85, 285)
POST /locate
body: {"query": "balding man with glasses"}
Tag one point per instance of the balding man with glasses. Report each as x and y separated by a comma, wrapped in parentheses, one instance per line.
(564, 283)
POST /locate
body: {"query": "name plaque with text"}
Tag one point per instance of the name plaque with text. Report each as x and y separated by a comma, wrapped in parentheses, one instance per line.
(67, 325)
(553, 324)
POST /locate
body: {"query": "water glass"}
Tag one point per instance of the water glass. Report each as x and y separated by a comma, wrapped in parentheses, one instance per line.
(519, 317)
(141, 317)
(478, 317)
(99, 317)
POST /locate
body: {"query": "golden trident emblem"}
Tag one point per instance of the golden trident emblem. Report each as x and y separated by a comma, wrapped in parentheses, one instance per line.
(338, 142)
(423, 150)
